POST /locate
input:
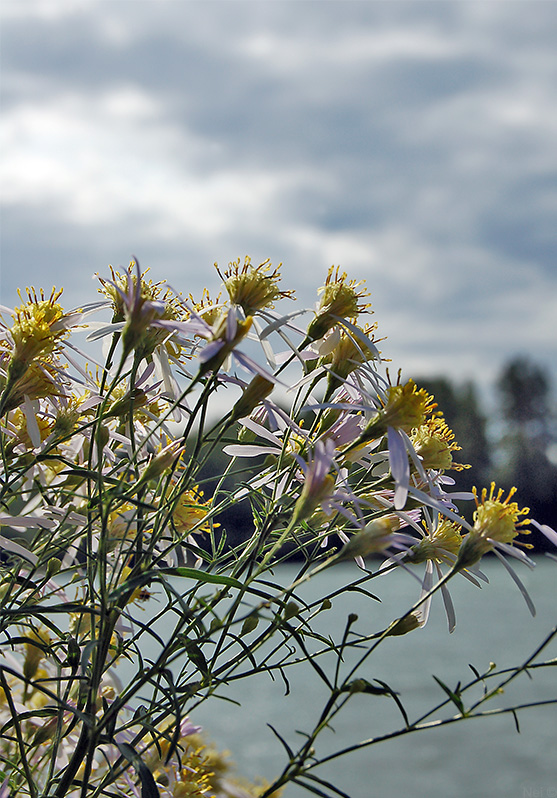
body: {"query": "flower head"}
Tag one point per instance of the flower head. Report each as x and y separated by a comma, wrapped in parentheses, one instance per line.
(191, 511)
(319, 483)
(441, 544)
(404, 408)
(253, 288)
(434, 442)
(139, 305)
(343, 351)
(340, 299)
(30, 346)
(497, 522)
(39, 324)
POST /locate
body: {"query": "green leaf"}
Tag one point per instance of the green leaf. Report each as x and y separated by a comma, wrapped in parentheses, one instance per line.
(196, 656)
(203, 576)
(155, 575)
(149, 788)
(454, 696)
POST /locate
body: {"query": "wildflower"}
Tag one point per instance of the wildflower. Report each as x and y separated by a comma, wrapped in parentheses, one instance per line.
(440, 544)
(405, 408)
(497, 523)
(340, 299)
(258, 389)
(344, 352)
(226, 335)
(434, 444)
(376, 537)
(253, 288)
(39, 325)
(137, 306)
(318, 484)
(191, 511)
(29, 349)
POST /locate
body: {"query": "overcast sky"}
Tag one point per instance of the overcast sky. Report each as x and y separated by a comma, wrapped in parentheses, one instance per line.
(412, 143)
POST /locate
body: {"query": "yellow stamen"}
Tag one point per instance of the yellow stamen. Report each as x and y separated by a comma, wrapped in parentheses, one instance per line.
(253, 287)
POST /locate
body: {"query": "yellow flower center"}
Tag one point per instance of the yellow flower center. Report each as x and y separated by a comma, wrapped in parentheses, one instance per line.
(340, 298)
(434, 546)
(253, 287)
(190, 512)
(497, 518)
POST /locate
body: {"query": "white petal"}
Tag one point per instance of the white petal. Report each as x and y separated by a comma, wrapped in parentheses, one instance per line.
(31, 419)
(15, 548)
(518, 582)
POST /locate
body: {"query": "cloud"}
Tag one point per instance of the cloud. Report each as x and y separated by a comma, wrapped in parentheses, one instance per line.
(411, 143)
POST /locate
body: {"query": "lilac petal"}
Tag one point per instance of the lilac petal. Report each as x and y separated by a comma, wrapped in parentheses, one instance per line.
(231, 324)
(247, 450)
(251, 365)
(263, 432)
(266, 346)
(448, 604)
(512, 551)
(367, 342)
(547, 531)
(31, 420)
(106, 329)
(518, 582)
(86, 357)
(210, 350)
(145, 374)
(275, 325)
(400, 467)
(15, 548)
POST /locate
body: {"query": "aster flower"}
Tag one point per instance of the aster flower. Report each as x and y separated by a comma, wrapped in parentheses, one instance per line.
(434, 443)
(439, 544)
(497, 523)
(30, 348)
(344, 351)
(253, 288)
(340, 299)
(222, 339)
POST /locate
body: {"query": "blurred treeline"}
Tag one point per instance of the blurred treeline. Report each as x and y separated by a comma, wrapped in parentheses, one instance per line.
(513, 444)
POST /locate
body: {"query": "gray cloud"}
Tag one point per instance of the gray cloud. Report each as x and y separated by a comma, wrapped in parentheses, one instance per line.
(411, 142)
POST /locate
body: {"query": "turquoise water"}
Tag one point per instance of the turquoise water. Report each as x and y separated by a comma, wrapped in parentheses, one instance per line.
(477, 758)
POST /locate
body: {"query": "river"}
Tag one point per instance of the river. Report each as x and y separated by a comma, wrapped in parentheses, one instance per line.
(476, 758)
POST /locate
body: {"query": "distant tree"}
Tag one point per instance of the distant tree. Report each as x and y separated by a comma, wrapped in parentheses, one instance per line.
(525, 394)
(524, 390)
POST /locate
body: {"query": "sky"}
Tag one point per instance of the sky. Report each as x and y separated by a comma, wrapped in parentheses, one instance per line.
(414, 144)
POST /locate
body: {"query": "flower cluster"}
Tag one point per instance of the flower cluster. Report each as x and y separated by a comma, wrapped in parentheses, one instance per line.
(117, 490)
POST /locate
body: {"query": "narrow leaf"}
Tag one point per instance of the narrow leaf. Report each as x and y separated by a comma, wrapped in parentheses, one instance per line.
(149, 788)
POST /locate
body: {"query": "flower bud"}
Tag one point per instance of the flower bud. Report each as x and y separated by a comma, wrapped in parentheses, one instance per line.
(404, 625)
(258, 389)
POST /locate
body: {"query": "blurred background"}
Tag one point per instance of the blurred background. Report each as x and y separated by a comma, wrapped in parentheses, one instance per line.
(413, 144)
